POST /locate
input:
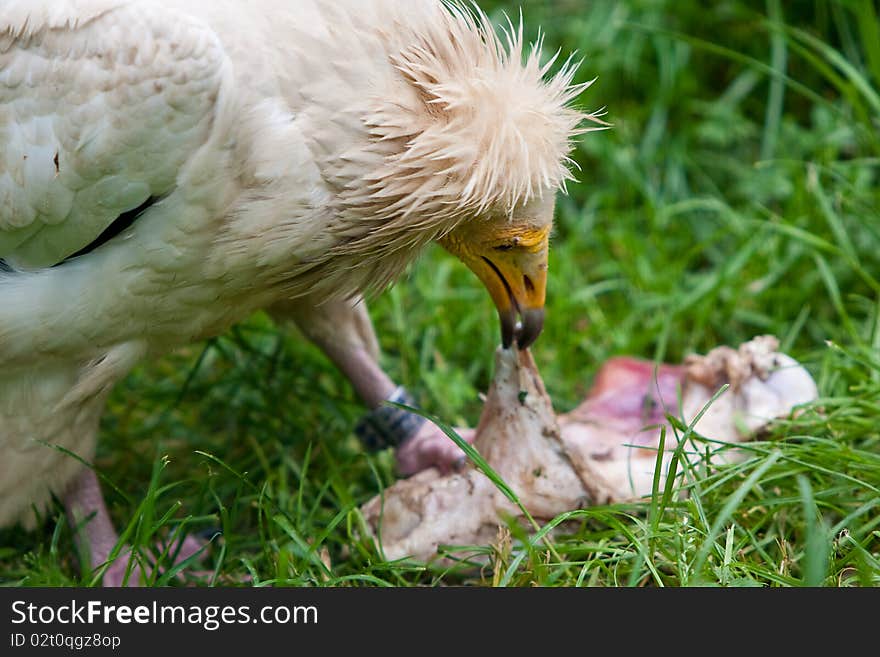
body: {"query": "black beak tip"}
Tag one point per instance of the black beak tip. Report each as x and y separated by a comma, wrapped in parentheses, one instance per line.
(508, 327)
(532, 324)
(507, 336)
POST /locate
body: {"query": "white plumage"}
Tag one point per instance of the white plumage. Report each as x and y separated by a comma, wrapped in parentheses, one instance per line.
(289, 154)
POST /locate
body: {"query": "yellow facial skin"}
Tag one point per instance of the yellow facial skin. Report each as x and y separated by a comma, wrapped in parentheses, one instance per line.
(511, 259)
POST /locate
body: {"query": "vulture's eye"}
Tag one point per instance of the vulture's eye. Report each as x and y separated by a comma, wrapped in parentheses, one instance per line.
(507, 246)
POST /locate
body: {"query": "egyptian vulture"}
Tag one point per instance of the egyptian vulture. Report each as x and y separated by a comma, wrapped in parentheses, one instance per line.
(170, 166)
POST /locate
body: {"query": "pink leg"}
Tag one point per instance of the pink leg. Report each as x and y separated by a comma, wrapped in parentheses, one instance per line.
(343, 331)
(431, 447)
(96, 536)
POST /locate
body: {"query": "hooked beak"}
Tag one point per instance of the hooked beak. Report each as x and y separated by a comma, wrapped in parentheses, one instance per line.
(516, 278)
(517, 285)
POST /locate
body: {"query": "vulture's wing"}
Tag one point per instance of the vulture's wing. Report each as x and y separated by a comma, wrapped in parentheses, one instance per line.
(102, 102)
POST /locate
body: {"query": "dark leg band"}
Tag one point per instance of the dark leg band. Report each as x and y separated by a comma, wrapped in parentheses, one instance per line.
(389, 426)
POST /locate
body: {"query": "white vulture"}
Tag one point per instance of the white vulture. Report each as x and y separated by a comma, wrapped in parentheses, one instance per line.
(170, 166)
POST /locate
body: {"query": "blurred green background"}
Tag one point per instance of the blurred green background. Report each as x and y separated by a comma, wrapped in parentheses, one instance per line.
(735, 195)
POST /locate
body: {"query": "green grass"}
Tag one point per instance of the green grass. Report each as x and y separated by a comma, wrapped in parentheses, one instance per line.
(737, 194)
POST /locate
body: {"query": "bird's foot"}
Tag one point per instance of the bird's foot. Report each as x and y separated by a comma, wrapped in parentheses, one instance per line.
(97, 539)
(119, 574)
(430, 447)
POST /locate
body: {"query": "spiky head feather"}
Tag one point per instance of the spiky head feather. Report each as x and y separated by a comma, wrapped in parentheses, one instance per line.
(484, 126)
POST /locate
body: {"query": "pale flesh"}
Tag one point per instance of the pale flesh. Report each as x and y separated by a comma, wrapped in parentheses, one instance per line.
(603, 451)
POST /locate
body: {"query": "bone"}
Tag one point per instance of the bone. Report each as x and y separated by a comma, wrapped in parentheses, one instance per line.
(603, 451)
